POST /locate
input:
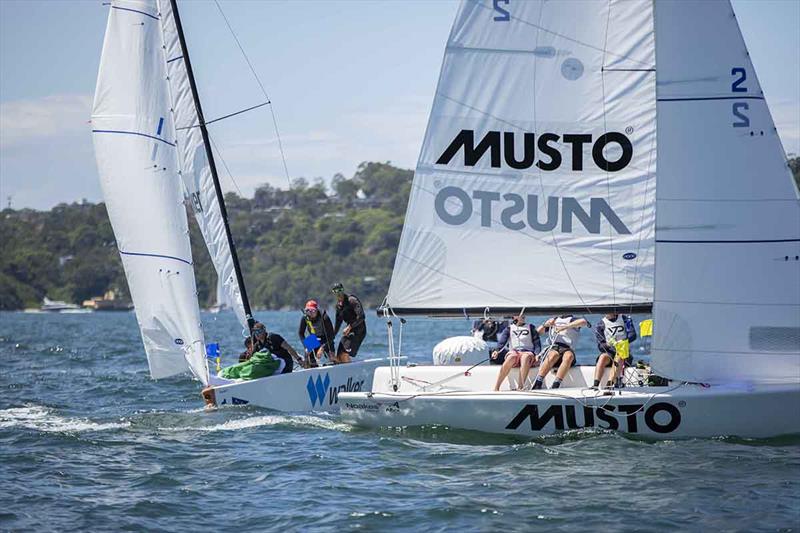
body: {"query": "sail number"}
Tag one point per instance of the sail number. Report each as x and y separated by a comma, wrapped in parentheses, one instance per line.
(739, 108)
(501, 14)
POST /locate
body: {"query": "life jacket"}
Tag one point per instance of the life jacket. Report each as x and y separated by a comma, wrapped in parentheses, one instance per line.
(520, 337)
(319, 329)
(614, 330)
(567, 337)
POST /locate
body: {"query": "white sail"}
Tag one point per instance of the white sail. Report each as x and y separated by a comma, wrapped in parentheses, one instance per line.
(727, 301)
(134, 139)
(194, 165)
(535, 185)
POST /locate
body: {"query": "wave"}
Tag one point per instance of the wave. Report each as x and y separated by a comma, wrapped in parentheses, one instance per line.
(39, 418)
(267, 420)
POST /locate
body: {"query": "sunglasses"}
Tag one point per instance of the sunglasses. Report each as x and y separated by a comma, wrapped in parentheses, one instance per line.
(259, 331)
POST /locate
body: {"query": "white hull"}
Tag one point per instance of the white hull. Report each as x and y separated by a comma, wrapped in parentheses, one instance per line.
(314, 389)
(674, 411)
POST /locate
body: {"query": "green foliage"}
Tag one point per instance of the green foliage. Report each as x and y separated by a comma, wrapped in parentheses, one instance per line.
(292, 244)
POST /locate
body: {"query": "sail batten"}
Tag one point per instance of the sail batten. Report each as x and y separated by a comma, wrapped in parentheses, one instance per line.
(535, 182)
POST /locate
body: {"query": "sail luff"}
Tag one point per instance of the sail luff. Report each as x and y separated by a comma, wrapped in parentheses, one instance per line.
(199, 172)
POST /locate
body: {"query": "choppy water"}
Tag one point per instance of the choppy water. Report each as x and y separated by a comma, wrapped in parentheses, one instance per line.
(89, 442)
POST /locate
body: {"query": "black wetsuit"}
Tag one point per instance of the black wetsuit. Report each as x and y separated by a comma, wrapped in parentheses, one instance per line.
(321, 326)
(274, 343)
(351, 312)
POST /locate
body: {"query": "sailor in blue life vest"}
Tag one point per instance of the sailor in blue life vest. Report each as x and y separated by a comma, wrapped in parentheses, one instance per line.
(611, 330)
(349, 311)
(562, 352)
(520, 344)
(317, 323)
(489, 330)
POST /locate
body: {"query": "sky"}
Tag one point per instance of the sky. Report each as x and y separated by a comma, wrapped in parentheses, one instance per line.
(350, 81)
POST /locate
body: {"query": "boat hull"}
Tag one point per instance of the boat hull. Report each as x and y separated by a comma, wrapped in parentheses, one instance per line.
(674, 411)
(314, 389)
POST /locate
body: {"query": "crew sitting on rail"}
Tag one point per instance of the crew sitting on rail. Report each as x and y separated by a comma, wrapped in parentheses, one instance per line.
(275, 344)
(320, 337)
(613, 329)
(561, 353)
(523, 350)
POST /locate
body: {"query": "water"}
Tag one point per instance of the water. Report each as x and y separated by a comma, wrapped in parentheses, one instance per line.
(89, 442)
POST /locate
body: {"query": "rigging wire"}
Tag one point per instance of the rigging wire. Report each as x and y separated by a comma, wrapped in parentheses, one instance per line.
(605, 129)
(224, 164)
(263, 90)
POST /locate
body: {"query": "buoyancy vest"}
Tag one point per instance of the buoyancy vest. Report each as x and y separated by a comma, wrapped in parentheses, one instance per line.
(614, 330)
(520, 337)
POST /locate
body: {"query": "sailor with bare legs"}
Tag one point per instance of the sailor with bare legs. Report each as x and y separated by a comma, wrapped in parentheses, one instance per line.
(524, 346)
(561, 353)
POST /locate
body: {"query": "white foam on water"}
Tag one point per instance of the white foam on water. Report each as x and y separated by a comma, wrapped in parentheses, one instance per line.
(40, 418)
(267, 420)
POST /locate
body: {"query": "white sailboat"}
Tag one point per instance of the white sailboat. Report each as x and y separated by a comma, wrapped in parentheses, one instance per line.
(154, 157)
(222, 299)
(586, 156)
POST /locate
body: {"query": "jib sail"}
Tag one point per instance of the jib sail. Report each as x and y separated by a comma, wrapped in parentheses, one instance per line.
(135, 147)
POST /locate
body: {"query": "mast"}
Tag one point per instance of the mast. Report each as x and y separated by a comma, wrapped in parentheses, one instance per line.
(212, 166)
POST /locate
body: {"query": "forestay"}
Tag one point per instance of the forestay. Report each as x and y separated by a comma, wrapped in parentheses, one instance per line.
(194, 166)
(535, 184)
(134, 138)
(727, 303)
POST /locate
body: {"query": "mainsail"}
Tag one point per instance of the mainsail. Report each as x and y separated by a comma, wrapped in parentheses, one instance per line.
(727, 300)
(135, 146)
(195, 168)
(535, 185)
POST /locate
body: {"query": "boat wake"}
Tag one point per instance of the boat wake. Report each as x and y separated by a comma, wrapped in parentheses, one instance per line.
(40, 418)
(265, 421)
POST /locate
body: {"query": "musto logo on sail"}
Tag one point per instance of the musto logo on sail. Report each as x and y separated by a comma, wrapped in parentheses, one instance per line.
(660, 417)
(320, 388)
(455, 206)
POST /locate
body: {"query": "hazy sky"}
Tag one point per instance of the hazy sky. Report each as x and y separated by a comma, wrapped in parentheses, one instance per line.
(350, 81)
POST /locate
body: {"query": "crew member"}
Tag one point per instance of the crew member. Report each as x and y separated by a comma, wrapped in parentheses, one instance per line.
(489, 330)
(248, 350)
(316, 323)
(613, 328)
(350, 311)
(275, 344)
(523, 350)
(562, 352)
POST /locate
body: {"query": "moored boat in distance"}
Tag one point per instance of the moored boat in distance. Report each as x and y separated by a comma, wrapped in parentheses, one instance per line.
(610, 168)
(57, 306)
